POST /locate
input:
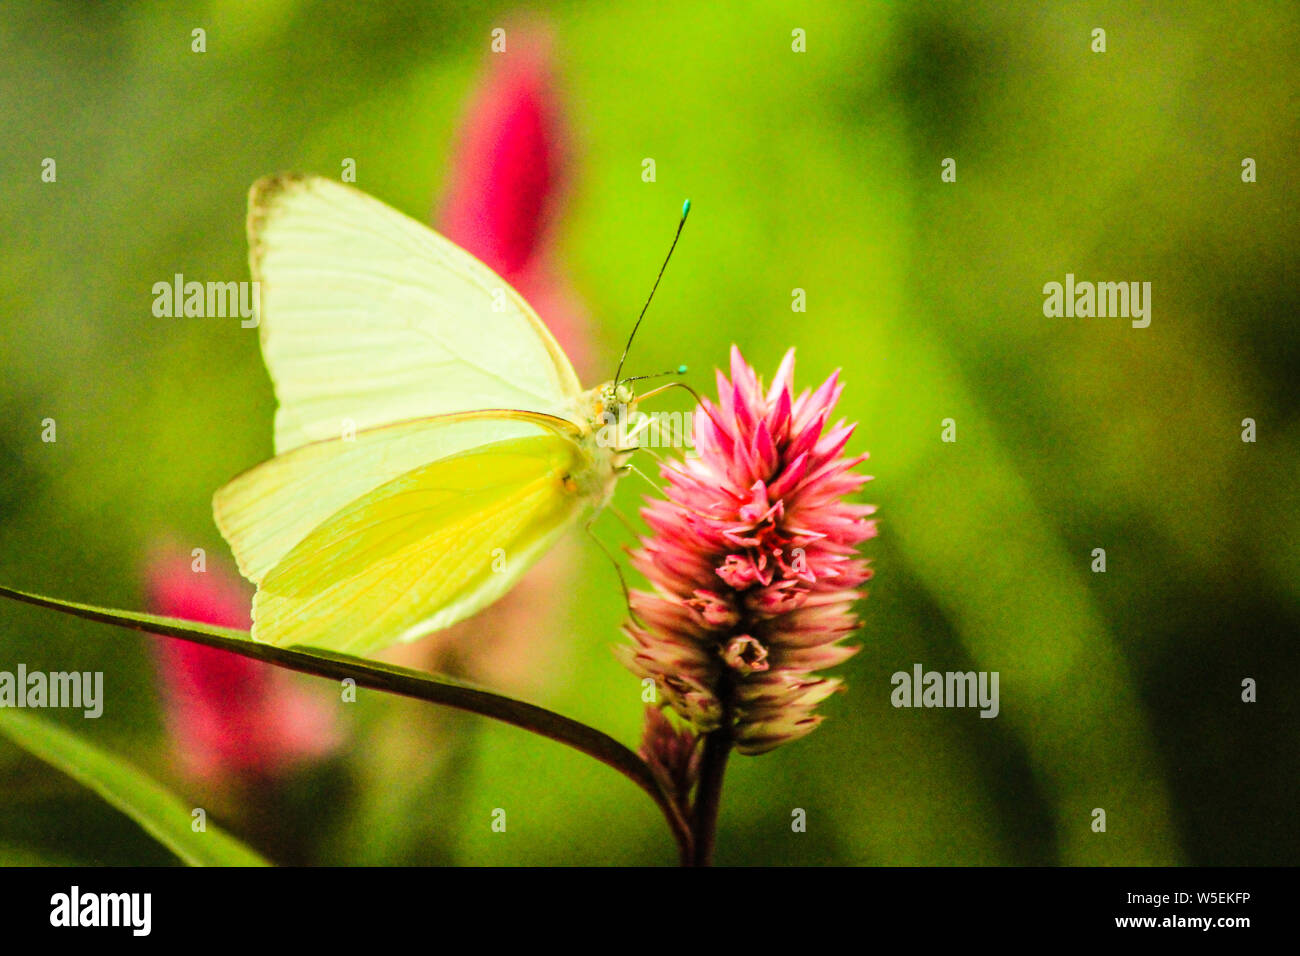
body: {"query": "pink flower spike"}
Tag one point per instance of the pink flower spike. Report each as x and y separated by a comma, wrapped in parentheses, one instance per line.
(753, 562)
(507, 166)
(230, 718)
(506, 183)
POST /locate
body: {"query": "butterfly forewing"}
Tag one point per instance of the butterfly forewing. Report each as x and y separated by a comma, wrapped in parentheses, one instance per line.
(368, 318)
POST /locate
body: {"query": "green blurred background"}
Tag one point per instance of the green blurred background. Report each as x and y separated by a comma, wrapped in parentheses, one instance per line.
(820, 171)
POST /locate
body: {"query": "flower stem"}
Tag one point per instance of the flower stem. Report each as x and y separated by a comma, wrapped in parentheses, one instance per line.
(708, 795)
(393, 680)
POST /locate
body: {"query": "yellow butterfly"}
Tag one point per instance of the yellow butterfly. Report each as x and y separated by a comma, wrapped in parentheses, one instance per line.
(432, 440)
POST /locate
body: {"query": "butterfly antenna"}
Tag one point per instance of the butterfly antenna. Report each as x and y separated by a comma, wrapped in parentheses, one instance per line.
(679, 370)
(686, 208)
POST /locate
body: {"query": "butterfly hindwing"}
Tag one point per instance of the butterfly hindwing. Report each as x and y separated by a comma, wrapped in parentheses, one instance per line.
(423, 550)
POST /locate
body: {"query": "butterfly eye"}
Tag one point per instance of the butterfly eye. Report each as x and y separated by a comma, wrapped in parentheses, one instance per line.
(623, 395)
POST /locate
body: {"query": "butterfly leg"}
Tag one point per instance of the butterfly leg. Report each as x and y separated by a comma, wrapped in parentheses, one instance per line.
(623, 518)
(651, 452)
(634, 469)
(622, 581)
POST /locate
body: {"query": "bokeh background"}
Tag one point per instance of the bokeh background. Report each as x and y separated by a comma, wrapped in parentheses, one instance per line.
(816, 170)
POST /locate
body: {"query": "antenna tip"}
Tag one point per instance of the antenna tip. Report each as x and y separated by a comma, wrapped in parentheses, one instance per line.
(681, 369)
(686, 208)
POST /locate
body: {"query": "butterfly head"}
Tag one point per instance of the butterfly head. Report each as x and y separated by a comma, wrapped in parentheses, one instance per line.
(614, 394)
(606, 401)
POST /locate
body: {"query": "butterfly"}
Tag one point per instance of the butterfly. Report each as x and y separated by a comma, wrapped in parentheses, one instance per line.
(432, 440)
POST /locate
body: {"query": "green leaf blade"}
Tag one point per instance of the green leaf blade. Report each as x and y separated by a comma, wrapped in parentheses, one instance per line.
(155, 808)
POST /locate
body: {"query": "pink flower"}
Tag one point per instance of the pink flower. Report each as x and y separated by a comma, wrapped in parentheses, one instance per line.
(230, 718)
(753, 559)
(507, 180)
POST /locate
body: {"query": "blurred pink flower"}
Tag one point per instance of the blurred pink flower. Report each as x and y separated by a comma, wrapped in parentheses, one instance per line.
(507, 182)
(753, 559)
(230, 718)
